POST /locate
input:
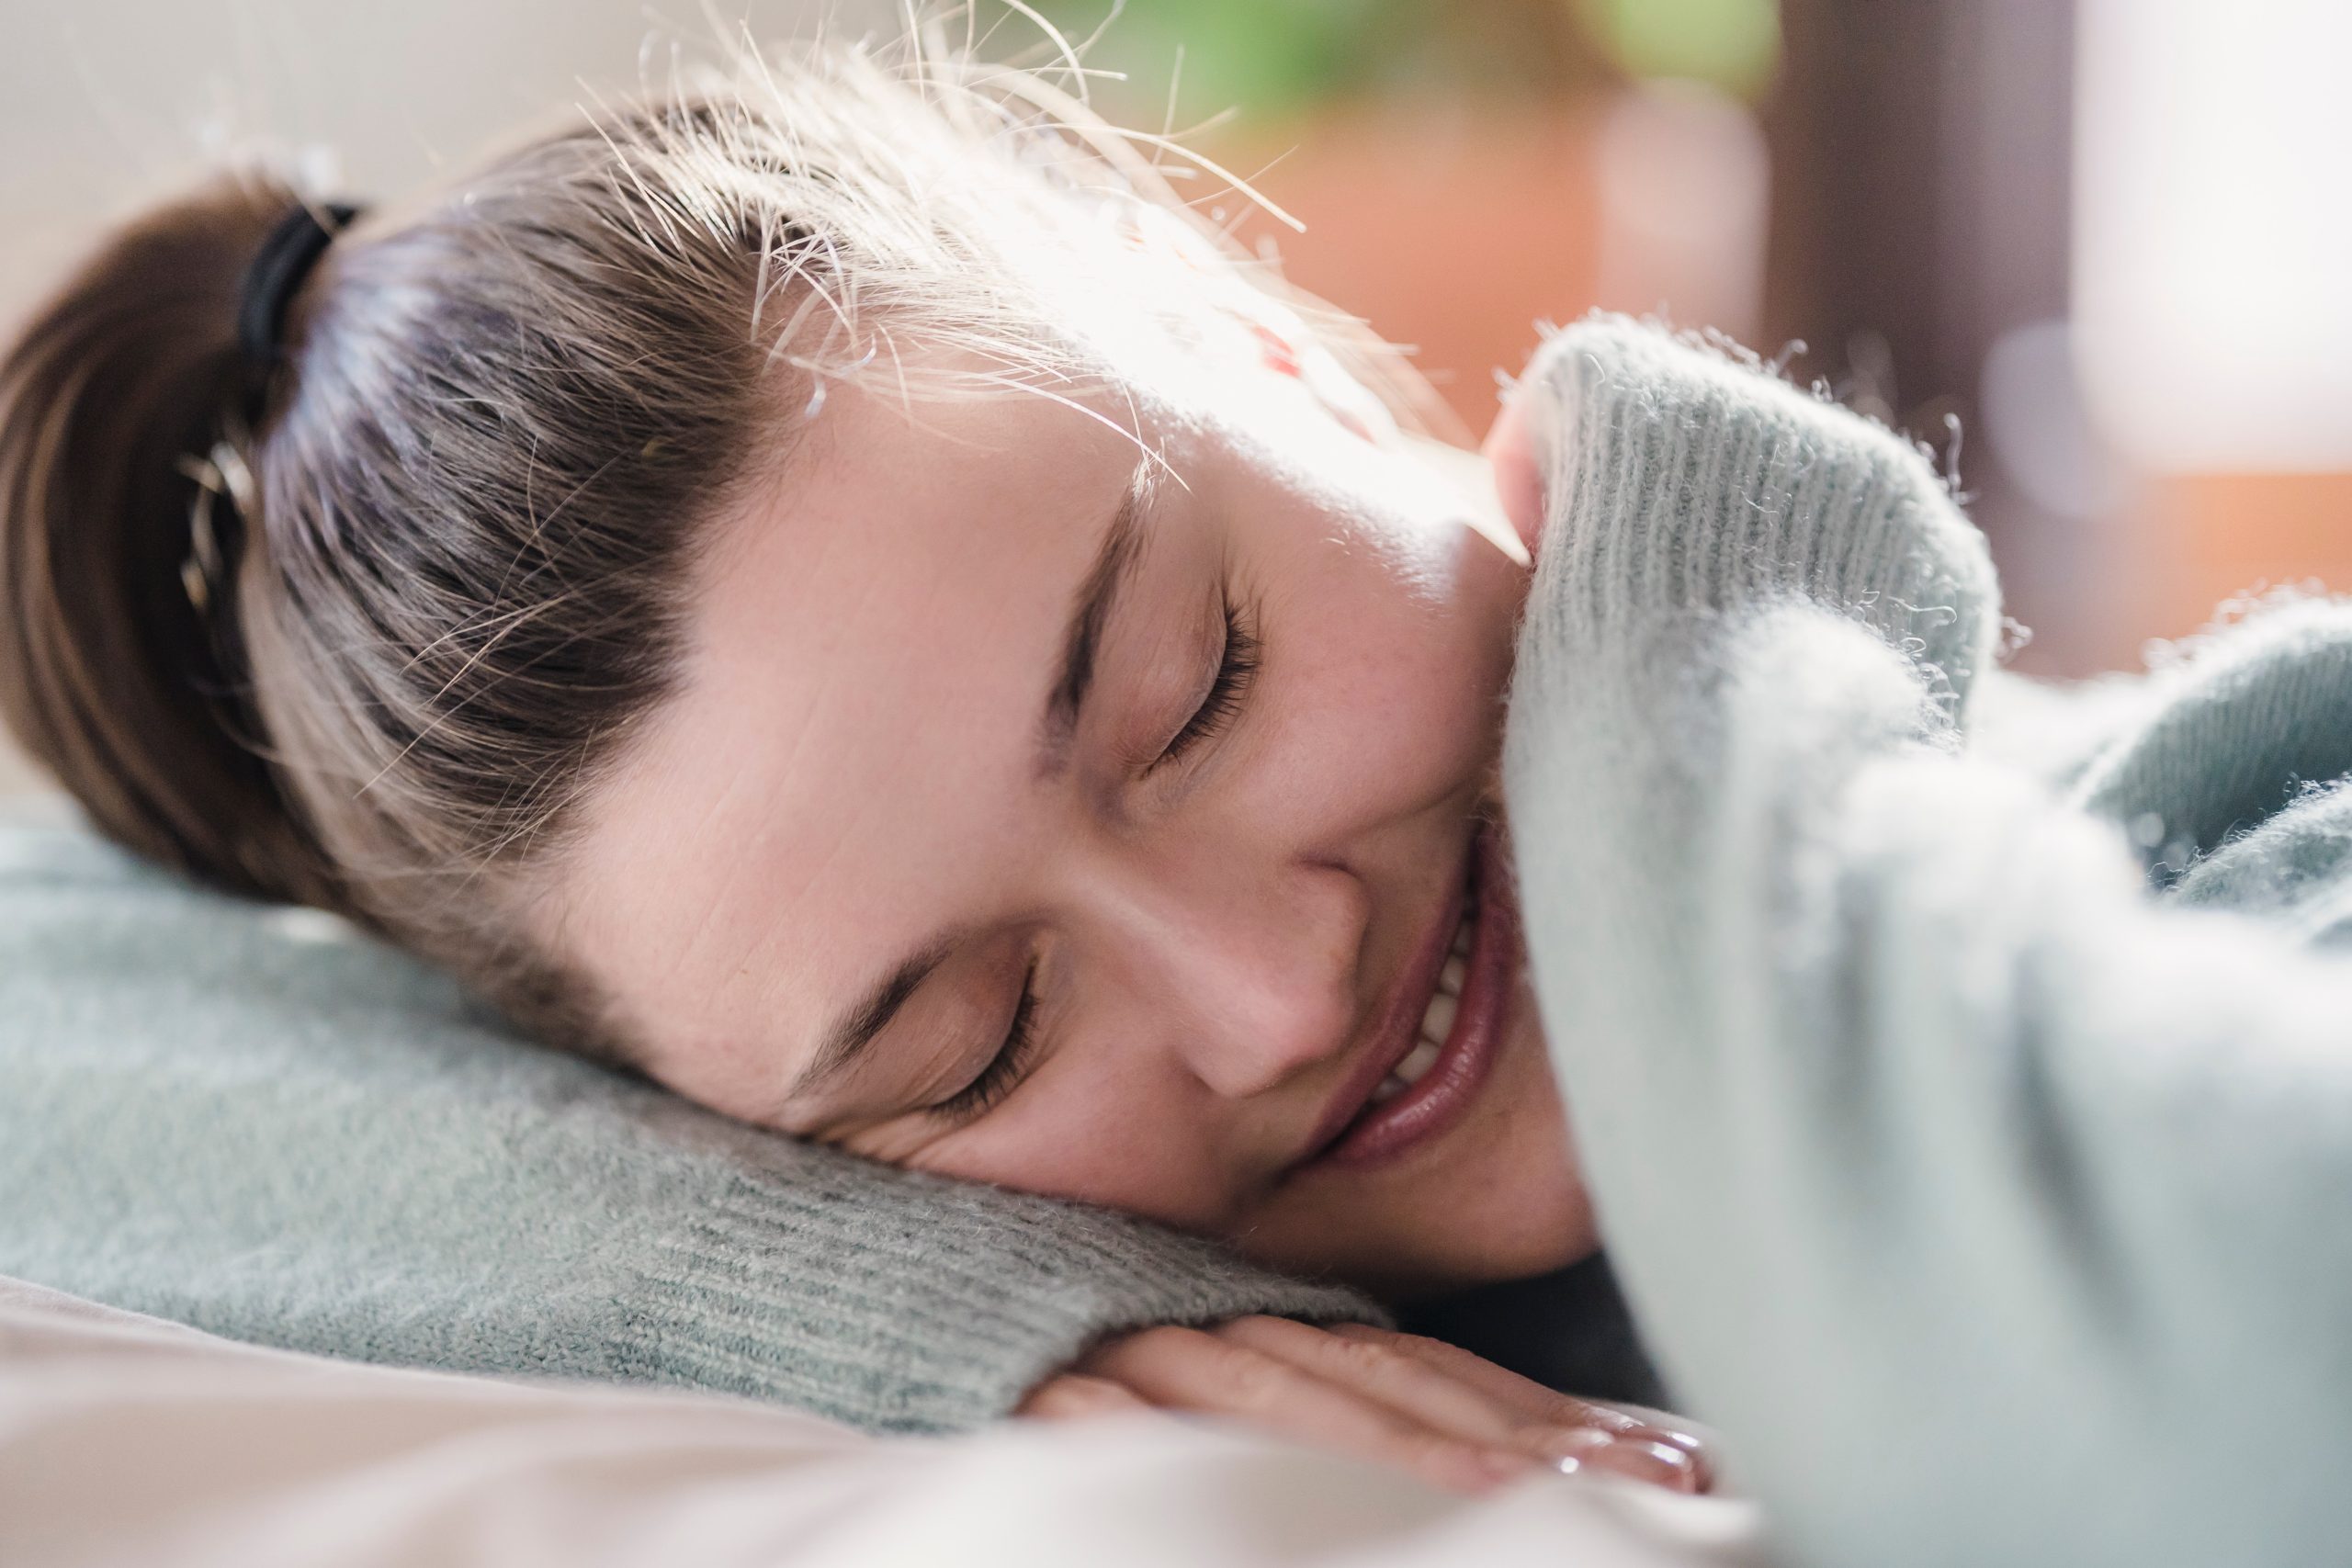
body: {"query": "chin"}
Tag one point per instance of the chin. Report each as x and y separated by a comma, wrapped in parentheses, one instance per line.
(1498, 1198)
(1520, 1209)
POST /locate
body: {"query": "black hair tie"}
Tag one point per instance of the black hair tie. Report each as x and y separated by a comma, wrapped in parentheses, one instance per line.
(287, 255)
(287, 252)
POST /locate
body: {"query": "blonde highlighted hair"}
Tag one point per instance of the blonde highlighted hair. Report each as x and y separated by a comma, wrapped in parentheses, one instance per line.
(370, 650)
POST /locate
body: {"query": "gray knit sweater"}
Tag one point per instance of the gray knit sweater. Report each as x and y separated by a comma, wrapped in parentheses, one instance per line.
(1978, 1180)
(256, 1121)
(1983, 1191)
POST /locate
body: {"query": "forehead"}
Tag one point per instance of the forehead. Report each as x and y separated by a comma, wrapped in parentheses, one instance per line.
(869, 643)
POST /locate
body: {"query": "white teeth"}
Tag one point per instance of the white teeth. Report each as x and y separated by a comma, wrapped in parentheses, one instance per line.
(1438, 1022)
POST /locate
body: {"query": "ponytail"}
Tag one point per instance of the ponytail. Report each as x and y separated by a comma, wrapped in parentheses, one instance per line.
(119, 666)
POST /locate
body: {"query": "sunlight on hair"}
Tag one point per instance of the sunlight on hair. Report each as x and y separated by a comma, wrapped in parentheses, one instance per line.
(427, 569)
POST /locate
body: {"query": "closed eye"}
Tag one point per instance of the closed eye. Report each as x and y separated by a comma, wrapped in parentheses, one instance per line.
(1004, 1070)
(1237, 668)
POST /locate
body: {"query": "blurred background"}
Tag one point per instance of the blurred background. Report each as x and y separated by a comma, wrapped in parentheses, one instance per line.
(2109, 242)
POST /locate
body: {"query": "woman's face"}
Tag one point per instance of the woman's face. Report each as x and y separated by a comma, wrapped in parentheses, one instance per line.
(1094, 813)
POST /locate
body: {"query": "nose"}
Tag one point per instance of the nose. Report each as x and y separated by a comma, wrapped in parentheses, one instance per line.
(1253, 975)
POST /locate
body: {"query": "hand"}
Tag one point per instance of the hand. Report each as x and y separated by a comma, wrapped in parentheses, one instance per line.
(1422, 1405)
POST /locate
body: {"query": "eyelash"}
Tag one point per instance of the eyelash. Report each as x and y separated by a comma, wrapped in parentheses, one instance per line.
(1005, 1068)
(1237, 668)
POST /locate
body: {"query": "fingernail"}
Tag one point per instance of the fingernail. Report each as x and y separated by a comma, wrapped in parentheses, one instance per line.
(1680, 1450)
(1638, 1455)
(1641, 1458)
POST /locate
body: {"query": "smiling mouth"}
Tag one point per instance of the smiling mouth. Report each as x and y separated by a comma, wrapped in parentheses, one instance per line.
(1432, 1076)
(1437, 1019)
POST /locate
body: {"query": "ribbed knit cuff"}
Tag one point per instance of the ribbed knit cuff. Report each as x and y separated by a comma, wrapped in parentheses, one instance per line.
(900, 1303)
(1682, 479)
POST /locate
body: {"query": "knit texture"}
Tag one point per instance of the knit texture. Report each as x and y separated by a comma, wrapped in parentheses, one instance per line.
(1986, 1194)
(256, 1121)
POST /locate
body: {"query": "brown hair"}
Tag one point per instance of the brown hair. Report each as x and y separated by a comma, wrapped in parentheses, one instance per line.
(472, 494)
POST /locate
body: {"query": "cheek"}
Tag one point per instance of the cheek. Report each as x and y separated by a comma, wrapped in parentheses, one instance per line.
(1395, 662)
(1124, 1140)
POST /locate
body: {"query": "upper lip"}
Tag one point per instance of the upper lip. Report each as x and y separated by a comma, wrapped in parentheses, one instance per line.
(1398, 1025)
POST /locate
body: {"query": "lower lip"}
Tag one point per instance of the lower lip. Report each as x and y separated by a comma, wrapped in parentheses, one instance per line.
(1436, 1101)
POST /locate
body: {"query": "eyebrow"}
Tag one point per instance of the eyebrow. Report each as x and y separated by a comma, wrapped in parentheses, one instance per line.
(1098, 593)
(855, 1030)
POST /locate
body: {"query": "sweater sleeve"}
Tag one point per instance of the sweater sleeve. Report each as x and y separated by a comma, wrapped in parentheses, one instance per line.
(1994, 1212)
(256, 1121)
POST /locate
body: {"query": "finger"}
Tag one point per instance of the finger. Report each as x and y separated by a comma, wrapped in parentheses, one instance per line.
(1188, 1369)
(1381, 1372)
(1530, 1401)
(1075, 1397)
(1632, 1456)
(1540, 1407)
(1587, 1436)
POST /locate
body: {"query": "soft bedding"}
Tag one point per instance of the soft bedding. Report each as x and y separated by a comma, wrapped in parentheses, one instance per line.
(129, 1441)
